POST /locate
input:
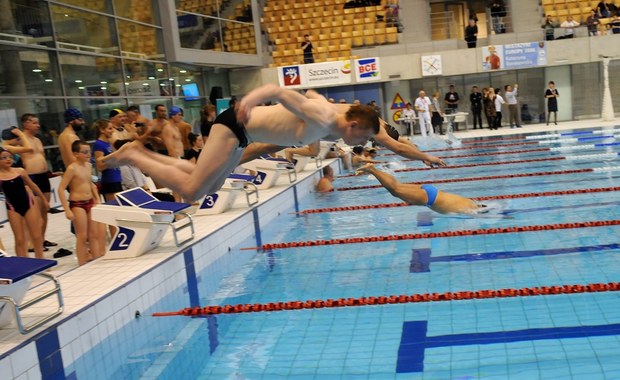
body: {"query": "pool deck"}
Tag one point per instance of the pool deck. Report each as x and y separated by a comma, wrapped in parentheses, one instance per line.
(84, 286)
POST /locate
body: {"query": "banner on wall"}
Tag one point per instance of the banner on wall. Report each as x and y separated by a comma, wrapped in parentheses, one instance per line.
(367, 70)
(514, 56)
(315, 74)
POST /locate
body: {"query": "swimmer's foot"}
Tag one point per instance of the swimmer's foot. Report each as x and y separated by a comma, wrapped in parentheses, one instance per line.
(365, 169)
(121, 156)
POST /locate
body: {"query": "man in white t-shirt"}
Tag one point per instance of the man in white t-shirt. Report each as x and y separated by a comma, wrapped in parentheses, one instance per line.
(422, 105)
(408, 117)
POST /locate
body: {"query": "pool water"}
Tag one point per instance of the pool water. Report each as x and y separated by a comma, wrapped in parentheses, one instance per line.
(545, 337)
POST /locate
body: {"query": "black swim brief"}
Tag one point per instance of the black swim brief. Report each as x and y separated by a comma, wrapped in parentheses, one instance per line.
(229, 119)
(42, 180)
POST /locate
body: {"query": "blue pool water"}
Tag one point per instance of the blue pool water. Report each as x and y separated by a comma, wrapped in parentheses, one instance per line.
(546, 337)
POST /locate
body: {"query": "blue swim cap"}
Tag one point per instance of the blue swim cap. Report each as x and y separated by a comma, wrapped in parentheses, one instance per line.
(7, 134)
(174, 110)
(72, 114)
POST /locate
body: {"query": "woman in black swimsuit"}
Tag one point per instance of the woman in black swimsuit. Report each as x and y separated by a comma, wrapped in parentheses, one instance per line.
(19, 202)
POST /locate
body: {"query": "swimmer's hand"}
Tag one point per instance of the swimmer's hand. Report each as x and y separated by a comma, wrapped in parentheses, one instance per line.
(435, 161)
(365, 169)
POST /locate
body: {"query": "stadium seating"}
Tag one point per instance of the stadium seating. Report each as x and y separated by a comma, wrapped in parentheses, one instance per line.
(333, 29)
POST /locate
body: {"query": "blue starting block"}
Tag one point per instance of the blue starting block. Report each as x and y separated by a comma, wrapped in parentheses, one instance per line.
(141, 221)
(15, 278)
(222, 200)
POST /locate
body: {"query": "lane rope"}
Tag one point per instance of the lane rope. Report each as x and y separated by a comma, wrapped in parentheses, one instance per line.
(557, 158)
(486, 178)
(393, 299)
(482, 198)
(473, 147)
(443, 234)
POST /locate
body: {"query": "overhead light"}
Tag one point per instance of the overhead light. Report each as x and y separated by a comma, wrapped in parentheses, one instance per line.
(126, 83)
(188, 80)
(151, 77)
(145, 84)
(160, 69)
(36, 70)
(81, 88)
(49, 80)
(162, 84)
(103, 87)
(78, 81)
(182, 71)
(66, 15)
(170, 79)
(178, 85)
(103, 82)
(128, 76)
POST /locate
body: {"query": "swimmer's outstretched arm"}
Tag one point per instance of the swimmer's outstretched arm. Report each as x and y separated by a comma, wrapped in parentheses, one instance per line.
(304, 108)
(406, 150)
(309, 150)
(411, 194)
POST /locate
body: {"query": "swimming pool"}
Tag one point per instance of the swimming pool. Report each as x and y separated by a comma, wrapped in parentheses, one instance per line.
(551, 336)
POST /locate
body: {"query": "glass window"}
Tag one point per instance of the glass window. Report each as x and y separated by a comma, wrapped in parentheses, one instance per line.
(26, 22)
(148, 79)
(239, 37)
(103, 6)
(202, 33)
(146, 11)
(90, 76)
(84, 31)
(140, 41)
(28, 72)
(531, 89)
(240, 11)
(209, 8)
(590, 77)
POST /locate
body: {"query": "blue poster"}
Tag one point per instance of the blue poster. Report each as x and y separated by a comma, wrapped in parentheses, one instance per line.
(529, 54)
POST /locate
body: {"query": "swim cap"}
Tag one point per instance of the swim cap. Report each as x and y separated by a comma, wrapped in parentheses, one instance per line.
(116, 111)
(72, 114)
(7, 134)
(174, 110)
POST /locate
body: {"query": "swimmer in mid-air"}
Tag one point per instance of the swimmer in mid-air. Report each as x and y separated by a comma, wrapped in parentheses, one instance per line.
(297, 120)
(425, 195)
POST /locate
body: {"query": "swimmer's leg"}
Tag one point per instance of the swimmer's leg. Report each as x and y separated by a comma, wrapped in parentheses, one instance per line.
(255, 150)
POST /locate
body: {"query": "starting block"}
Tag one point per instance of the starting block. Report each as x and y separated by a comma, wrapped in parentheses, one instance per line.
(268, 171)
(222, 200)
(141, 222)
(15, 278)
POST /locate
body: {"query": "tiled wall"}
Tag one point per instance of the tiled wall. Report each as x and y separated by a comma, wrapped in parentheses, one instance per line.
(51, 353)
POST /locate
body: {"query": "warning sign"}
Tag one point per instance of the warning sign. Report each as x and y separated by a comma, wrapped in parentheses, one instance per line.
(398, 102)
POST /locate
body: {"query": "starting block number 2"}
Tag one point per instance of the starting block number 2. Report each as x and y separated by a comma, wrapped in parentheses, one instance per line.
(123, 239)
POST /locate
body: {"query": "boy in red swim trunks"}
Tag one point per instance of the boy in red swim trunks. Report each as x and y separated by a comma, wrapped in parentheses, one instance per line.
(83, 196)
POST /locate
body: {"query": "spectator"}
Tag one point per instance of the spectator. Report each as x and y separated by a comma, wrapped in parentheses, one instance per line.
(408, 115)
(615, 24)
(196, 147)
(513, 107)
(176, 116)
(552, 95)
(603, 9)
(471, 33)
(306, 46)
(549, 28)
(569, 26)
(207, 116)
(437, 115)
(498, 12)
(489, 107)
(475, 100)
(498, 108)
(592, 22)
(90, 235)
(423, 106)
(452, 103)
